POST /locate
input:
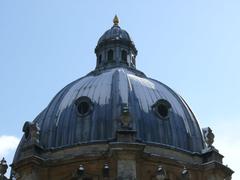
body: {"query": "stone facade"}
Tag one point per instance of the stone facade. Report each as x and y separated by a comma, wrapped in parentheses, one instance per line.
(125, 161)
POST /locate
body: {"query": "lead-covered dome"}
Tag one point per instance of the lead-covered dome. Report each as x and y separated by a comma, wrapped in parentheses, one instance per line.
(89, 109)
(115, 34)
(115, 48)
(116, 96)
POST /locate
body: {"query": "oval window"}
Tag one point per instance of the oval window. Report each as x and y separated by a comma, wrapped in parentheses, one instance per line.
(84, 106)
(161, 108)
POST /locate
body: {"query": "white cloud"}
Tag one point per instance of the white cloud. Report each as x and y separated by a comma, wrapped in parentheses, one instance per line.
(7, 145)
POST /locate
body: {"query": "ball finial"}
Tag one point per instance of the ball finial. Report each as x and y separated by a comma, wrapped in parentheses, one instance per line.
(115, 20)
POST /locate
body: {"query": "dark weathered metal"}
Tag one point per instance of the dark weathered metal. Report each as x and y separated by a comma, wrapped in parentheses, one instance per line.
(116, 34)
(60, 124)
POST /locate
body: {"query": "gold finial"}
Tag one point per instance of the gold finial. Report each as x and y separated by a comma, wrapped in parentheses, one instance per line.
(115, 20)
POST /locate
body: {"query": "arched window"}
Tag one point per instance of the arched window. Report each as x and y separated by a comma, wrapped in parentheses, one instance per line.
(110, 55)
(124, 56)
(133, 59)
(100, 59)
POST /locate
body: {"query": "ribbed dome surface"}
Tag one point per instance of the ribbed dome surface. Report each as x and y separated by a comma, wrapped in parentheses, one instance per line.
(115, 33)
(60, 124)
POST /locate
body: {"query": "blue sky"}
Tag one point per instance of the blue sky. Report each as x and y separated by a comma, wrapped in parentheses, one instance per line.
(192, 46)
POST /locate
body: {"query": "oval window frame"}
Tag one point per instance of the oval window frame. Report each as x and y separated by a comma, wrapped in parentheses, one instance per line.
(79, 101)
(166, 104)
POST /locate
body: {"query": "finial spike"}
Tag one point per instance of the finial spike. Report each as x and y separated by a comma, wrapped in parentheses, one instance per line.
(115, 20)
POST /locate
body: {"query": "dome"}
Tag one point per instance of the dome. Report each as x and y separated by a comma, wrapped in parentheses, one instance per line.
(114, 35)
(109, 91)
(117, 123)
(116, 96)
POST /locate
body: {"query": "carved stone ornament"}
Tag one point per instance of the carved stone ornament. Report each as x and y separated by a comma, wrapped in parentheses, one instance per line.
(161, 173)
(125, 118)
(208, 136)
(106, 170)
(3, 167)
(31, 132)
(185, 174)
